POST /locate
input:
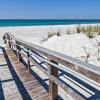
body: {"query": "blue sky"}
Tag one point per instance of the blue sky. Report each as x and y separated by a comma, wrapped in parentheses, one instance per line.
(49, 9)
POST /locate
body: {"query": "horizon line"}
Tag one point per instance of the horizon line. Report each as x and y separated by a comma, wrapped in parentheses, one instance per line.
(48, 19)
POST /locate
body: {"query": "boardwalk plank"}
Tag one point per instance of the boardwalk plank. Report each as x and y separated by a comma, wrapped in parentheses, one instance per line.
(11, 92)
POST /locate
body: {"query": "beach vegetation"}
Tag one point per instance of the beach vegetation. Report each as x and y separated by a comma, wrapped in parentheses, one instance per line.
(83, 29)
(88, 30)
(58, 33)
(87, 56)
(98, 30)
(51, 33)
(44, 39)
(78, 28)
(67, 31)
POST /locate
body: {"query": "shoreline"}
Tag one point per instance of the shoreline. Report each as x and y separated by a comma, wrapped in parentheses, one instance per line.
(51, 25)
(45, 22)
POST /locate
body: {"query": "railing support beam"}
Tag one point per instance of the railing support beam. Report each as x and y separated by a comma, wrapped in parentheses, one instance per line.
(53, 88)
(9, 44)
(19, 53)
(28, 62)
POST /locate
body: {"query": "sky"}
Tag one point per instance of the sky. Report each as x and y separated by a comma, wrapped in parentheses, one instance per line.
(49, 9)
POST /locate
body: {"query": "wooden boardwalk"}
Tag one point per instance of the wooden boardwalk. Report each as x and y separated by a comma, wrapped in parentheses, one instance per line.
(23, 65)
(16, 83)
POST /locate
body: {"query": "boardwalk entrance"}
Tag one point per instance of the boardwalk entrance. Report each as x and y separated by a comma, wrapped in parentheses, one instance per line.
(16, 83)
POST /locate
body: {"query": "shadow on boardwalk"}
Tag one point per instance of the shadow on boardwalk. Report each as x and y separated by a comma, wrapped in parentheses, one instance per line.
(25, 95)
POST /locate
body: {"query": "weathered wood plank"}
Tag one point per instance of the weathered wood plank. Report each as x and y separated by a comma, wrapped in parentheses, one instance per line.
(28, 80)
(53, 88)
(66, 88)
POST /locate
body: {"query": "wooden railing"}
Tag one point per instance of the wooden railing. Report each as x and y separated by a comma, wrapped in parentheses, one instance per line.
(54, 62)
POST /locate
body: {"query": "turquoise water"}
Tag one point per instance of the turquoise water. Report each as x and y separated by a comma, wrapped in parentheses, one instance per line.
(45, 22)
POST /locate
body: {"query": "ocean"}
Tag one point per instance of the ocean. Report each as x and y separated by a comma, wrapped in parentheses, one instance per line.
(37, 22)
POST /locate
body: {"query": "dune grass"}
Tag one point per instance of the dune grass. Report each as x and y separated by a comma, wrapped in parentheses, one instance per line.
(89, 30)
(51, 33)
(78, 28)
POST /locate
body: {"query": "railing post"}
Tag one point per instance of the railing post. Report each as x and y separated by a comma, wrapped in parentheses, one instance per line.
(19, 53)
(28, 61)
(9, 44)
(53, 88)
(5, 39)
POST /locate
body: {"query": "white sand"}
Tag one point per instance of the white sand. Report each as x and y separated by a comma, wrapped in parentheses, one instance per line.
(29, 32)
(70, 44)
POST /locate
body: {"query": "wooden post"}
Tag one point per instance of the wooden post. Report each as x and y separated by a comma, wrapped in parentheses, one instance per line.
(53, 88)
(9, 44)
(28, 62)
(19, 54)
(5, 41)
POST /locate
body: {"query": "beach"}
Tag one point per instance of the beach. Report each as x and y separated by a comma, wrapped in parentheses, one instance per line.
(31, 32)
(71, 43)
(49, 50)
(68, 42)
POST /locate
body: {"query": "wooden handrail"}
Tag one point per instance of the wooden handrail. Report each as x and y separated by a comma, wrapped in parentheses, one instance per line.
(53, 58)
(59, 57)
